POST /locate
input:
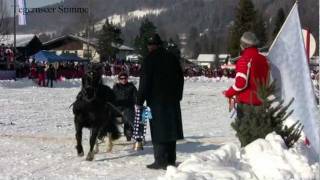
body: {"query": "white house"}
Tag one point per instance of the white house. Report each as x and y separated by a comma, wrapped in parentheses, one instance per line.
(205, 59)
(79, 46)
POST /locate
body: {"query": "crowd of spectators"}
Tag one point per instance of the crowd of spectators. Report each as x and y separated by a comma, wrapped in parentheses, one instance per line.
(6, 57)
(117, 66)
(209, 72)
(41, 71)
(69, 70)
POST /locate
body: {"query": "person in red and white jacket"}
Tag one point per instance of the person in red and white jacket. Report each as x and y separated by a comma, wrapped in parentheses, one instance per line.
(251, 69)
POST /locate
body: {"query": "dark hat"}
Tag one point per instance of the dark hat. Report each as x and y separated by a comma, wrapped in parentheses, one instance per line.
(154, 40)
(121, 74)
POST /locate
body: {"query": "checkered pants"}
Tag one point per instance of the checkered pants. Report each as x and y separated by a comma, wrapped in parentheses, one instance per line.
(139, 127)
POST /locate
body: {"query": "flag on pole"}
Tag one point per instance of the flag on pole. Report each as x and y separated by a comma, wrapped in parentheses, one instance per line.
(22, 12)
(289, 67)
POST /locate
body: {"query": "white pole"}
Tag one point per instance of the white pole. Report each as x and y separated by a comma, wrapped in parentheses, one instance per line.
(14, 29)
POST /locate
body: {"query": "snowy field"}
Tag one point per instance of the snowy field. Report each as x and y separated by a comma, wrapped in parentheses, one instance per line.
(37, 140)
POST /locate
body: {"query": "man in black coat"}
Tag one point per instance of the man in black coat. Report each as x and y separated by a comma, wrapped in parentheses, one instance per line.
(51, 75)
(126, 97)
(161, 85)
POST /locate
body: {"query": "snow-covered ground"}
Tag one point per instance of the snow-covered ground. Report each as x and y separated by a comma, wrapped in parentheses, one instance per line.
(37, 140)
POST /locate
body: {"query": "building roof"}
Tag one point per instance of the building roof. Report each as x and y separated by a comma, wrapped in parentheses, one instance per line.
(224, 56)
(21, 39)
(91, 41)
(125, 48)
(206, 57)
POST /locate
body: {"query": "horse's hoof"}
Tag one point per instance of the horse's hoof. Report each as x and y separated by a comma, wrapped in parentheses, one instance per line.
(80, 154)
(109, 150)
(90, 157)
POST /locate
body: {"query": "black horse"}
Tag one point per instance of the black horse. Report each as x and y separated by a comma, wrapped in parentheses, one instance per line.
(93, 109)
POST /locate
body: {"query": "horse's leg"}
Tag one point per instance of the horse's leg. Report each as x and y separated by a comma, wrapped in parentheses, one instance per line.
(93, 140)
(96, 149)
(110, 144)
(79, 139)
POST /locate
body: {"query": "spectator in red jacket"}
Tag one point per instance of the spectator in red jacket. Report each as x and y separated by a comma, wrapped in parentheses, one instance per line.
(252, 70)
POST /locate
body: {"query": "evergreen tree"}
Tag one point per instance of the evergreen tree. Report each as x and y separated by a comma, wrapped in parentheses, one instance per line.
(258, 121)
(205, 45)
(216, 62)
(196, 50)
(172, 47)
(260, 30)
(278, 22)
(147, 28)
(213, 42)
(245, 19)
(176, 39)
(192, 42)
(108, 42)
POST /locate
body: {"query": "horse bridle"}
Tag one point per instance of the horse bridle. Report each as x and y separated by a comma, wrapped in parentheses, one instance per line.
(92, 85)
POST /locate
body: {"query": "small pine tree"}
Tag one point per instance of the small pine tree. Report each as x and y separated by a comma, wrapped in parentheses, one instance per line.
(147, 28)
(172, 47)
(260, 29)
(205, 45)
(278, 22)
(196, 49)
(259, 121)
(245, 19)
(192, 46)
(109, 39)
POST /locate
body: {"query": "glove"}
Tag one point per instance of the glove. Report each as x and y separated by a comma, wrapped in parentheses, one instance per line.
(146, 114)
(225, 93)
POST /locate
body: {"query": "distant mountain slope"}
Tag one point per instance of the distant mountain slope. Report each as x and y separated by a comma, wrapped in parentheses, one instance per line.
(179, 16)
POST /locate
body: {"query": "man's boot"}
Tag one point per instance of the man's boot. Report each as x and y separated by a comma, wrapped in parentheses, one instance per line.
(157, 166)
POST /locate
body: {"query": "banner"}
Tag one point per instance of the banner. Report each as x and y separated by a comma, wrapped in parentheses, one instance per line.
(290, 69)
(22, 15)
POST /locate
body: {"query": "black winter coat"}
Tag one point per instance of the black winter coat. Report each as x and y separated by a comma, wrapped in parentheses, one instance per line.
(125, 99)
(161, 85)
(51, 73)
(126, 95)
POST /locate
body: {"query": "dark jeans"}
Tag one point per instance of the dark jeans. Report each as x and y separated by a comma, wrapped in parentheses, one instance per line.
(240, 110)
(51, 82)
(165, 153)
(128, 122)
